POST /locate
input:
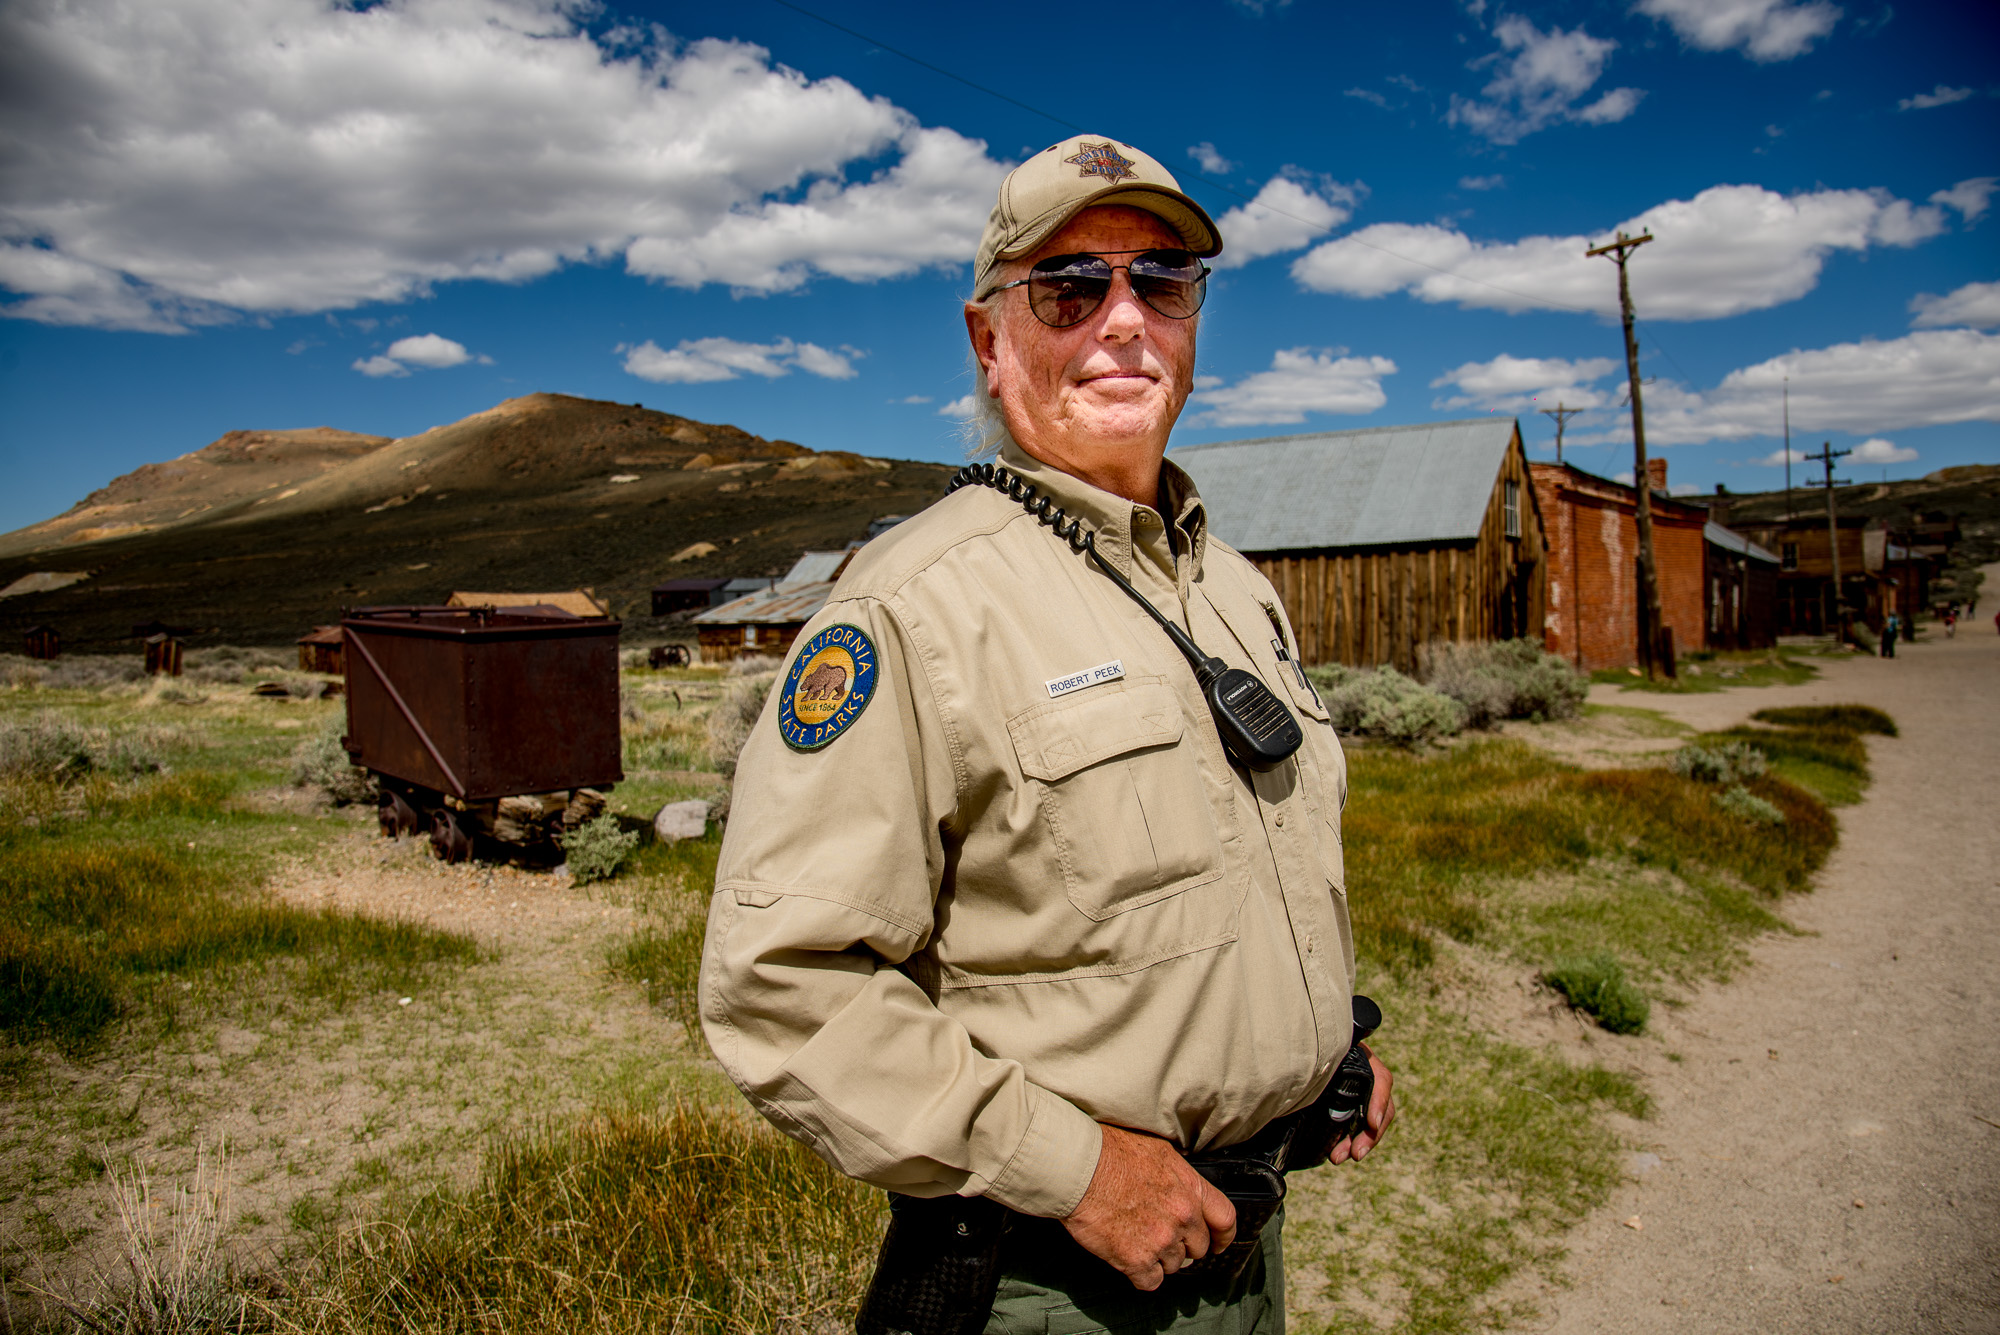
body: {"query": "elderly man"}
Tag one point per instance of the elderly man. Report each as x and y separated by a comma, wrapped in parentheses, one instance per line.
(998, 913)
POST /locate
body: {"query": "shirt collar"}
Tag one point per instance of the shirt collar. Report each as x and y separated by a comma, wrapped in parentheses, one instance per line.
(1111, 516)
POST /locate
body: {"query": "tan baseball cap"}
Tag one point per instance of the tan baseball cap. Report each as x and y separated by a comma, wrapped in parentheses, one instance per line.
(1045, 192)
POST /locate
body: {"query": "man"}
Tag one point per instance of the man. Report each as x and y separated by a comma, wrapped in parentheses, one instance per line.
(1000, 917)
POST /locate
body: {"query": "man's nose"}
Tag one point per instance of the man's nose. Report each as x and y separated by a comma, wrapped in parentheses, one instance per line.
(1124, 315)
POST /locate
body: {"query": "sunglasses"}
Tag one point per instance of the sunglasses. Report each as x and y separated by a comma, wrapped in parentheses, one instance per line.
(1065, 290)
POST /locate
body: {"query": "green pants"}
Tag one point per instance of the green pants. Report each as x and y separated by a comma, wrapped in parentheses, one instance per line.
(1051, 1286)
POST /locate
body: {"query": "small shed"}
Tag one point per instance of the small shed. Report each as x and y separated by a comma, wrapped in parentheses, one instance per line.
(1740, 585)
(764, 623)
(320, 650)
(576, 602)
(688, 595)
(1383, 539)
(43, 642)
(163, 656)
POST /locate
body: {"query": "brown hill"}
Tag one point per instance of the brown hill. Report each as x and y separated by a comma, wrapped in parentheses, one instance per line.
(261, 534)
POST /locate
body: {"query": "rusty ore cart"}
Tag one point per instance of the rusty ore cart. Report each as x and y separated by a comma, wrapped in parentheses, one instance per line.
(482, 722)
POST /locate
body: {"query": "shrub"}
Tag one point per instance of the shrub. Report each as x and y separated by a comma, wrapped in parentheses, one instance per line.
(1740, 801)
(1504, 679)
(89, 672)
(596, 849)
(1838, 718)
(55, 749)
(229, 665)
(1385, 703)
(322, 762)
(1597, 986)
(1720, 762)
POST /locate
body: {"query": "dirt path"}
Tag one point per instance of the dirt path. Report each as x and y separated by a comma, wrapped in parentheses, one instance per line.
(1826, 1155)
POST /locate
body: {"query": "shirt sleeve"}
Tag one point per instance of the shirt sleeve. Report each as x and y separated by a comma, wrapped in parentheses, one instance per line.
(826, 889)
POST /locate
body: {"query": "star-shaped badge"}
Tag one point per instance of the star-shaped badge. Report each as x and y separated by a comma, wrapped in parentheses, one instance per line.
(1103, 160)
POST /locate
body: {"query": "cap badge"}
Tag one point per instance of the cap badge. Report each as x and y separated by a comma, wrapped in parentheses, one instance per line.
(1103, 160)
(830, 683)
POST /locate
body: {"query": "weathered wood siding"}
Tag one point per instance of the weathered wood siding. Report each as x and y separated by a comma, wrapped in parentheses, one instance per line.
(1364, 606)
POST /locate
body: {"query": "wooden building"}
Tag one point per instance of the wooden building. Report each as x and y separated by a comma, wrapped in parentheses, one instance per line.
(763, 624)
(688, 595)
(1592, 616)
(42, 642)
(576, 602)
(1875, 573)
(322, 649)
(1383, 539)
(1740, 588)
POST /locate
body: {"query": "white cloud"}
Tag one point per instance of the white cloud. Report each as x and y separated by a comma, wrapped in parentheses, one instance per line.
(1778, 458)
(1210, 161)
(1481, 182)
(1975, 304)
(195, 159)
(1730, 249)
(702, 361)
(1540, 83)
(1763, 30)
(1300, 381)
(1968, 197)
(1928, 378)
(1525, 384)
(431, 350)
(913, 398)
(1367, 95)
(959, 408)
(1940, 97)
(1285, 215)
(1880, 451)
(377, 367)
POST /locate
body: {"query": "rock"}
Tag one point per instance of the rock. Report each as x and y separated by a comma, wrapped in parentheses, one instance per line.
(681, 820)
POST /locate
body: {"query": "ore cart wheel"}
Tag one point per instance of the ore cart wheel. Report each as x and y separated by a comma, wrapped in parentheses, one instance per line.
(451, 836)
(398, 817)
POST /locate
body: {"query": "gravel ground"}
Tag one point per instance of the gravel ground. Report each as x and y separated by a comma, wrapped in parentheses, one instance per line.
(1826, 1155)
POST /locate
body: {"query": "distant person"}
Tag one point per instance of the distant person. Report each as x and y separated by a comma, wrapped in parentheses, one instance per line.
(1889, 629)
(1950, 620)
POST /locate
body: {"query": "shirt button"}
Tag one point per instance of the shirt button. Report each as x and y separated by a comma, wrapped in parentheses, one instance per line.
(1281, 820)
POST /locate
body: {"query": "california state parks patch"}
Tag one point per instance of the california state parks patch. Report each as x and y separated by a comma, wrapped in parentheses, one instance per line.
(831, 682)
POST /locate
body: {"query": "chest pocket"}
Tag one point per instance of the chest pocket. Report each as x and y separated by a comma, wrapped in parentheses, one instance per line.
(1122, 794)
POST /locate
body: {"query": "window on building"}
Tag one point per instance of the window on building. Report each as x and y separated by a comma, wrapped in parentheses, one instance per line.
(1511, 504)
(1788, 556)
(750, 636)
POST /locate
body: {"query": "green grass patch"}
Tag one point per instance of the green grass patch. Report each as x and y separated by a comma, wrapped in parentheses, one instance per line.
(690, 1219)
(1641, 722)
(1427, 837)
(1597, 986)
(1838, 718)
(667, 963)
(1723, 672)
(81, 924)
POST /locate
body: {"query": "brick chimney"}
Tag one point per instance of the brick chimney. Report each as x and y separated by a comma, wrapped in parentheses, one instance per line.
(1656, 473)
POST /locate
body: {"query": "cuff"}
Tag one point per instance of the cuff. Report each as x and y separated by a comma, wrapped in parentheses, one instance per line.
(1051, 1168)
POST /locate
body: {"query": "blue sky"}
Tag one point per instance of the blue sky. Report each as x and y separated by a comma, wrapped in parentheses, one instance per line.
(276, 213)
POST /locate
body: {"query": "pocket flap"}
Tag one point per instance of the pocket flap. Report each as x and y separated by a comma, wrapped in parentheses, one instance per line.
(1059, 738)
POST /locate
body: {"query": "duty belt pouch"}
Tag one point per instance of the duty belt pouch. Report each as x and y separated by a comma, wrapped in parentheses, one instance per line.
(939, 1267)
(1257, 1191)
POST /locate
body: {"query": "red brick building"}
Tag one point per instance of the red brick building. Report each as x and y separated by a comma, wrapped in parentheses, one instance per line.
(1593, 533)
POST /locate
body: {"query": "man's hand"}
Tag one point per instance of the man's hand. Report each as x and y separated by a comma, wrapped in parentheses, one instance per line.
(1147, 1212)
(1381, 1112)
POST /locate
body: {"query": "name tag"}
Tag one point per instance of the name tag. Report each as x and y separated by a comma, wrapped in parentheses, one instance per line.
(1076, 681)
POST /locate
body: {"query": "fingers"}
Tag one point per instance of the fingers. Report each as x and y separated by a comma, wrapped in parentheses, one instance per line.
(1381, 1112)
(1219, 1213)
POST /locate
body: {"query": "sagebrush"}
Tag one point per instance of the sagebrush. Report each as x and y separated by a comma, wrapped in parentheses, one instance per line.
(1504, 679)
(1386, 704)
(597, 849)
(322, 762)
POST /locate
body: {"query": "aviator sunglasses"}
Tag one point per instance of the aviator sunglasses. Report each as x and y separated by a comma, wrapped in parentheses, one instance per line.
(1065, 290)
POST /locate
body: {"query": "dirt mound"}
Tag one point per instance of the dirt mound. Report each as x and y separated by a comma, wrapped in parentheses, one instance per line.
(261, 534)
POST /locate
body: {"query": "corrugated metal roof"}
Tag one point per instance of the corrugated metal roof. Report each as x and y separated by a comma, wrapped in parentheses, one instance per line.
(813, 568)
(780, 606)
(1735, 542)
(1363, 488)
(690, 585)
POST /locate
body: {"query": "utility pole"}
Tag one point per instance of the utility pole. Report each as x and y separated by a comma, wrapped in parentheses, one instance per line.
(1827, 454)
(1649, 584)
(1562, 415)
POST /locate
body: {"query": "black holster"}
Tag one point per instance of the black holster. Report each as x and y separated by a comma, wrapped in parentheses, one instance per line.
(938, 1269)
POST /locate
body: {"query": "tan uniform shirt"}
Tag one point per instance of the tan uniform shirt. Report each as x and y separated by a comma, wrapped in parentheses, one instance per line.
(988, 915)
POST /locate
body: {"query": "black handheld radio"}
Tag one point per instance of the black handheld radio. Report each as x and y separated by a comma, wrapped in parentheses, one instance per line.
(1256, 729)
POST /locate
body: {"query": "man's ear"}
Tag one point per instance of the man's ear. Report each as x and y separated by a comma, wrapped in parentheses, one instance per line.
(985, 341)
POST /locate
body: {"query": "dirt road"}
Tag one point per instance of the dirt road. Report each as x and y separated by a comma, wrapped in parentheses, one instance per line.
(1826, 1154)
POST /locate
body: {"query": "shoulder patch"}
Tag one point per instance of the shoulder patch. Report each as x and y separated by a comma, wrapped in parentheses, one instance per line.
(831, 682)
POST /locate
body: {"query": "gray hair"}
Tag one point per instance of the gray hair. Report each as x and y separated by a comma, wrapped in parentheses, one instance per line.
(984, 429)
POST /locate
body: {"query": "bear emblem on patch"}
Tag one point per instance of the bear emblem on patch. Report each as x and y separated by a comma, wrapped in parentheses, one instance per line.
(830, 683)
